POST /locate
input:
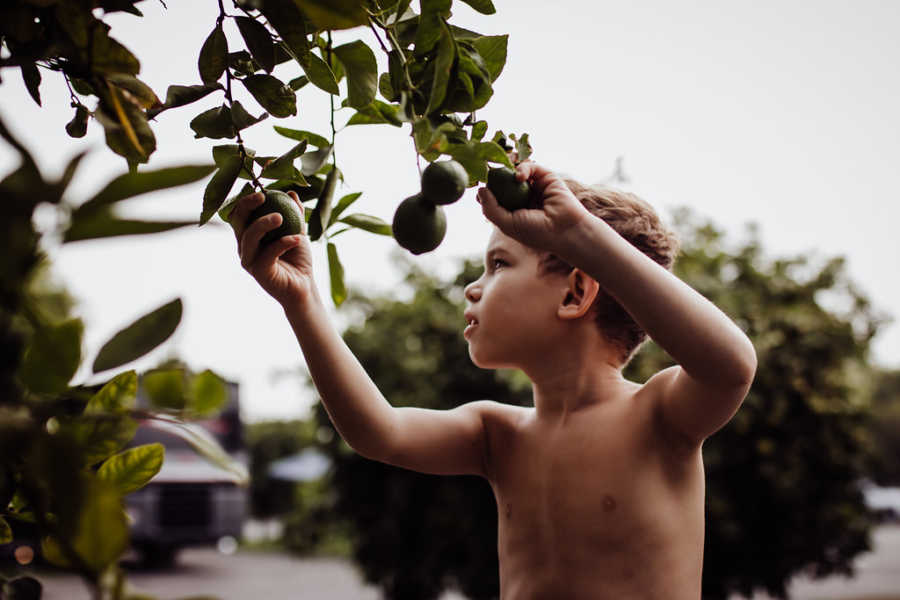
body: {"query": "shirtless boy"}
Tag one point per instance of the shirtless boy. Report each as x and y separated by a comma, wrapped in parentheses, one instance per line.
(600, 486)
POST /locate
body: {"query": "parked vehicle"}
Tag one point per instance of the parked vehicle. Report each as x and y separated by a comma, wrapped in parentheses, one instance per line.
(190, 502)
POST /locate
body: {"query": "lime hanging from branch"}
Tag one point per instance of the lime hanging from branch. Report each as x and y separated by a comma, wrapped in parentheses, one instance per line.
(291, 220)
(511, 193)
(444, 182)
(419, 225)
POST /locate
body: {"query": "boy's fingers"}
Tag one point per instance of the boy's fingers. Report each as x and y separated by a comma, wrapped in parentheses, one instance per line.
(528, 170)
(242, 209)
(273, 251)
(249, 242)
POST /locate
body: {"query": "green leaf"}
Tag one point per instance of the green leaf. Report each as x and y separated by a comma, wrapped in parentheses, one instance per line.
(492, 152)
(479, 129)
(166, 388)
(134, 468)
(213, 58)
(362, 72)
(32, 78)
(523, 148)
(128, 133)
(103, 224)
(442, 67)
(219, 187)
(273, 95)
(386, 88)
(283, 166)
(468, 156)
(101, 435)
(130, 185)
(428, 32)
(6, 535)
(319, 73)
(241, 119)
(52, 356)
(285, 17)
(298, 82)
(485, 7)
(492, 49)
(109, 56)
(208, 393)
(377, 112)
(258, 41)
(181, 95)
(140, 337)
(224, 151)
(101, 535)
(336, 273)
(368, 223)
(334, 14)
(139, 91)
(313, 161)
(342, 205)
(205, 445)
(215, 123)
(117, 396)
(295, 134)
(322, 212)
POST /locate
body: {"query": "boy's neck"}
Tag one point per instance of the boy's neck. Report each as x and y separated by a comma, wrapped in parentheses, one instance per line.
(568, 388)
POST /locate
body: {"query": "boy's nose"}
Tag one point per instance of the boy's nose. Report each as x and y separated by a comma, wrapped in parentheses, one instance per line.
(473, 292)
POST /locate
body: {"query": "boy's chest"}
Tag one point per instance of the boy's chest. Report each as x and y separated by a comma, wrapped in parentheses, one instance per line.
(597, 482)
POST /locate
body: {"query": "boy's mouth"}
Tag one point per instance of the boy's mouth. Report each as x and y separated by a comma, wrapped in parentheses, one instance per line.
(471, 323)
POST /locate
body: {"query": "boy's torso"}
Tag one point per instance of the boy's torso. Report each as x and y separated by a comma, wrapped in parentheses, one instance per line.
(599, 505)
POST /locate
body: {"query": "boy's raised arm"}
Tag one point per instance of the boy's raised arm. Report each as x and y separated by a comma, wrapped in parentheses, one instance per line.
(716, 360)
(432, 441)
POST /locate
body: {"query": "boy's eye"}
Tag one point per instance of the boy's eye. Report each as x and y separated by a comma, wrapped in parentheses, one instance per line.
(498, 262)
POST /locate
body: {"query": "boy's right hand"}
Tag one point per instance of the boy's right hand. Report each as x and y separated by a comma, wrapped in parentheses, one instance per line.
(284, 268)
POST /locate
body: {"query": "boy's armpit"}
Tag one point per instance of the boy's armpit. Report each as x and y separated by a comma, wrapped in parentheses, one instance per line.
(693, 410)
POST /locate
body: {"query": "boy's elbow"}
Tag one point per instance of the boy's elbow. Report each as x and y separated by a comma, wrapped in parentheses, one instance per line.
(746, 363)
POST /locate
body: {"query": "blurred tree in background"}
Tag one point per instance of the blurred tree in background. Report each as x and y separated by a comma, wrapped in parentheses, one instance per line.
(783, 476)
(886, 428)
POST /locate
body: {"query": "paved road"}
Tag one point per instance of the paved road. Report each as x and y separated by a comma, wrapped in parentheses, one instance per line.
(245, 575)
(878, 574)
(269, 576)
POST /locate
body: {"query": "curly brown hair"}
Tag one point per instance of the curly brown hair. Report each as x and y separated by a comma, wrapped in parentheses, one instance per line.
(636, 221)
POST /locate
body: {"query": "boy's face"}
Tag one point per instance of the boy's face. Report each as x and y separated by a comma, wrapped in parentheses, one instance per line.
(511, 309)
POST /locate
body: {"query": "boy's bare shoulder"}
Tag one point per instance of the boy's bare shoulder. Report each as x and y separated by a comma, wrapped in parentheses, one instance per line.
(497, 413)
(653, 394)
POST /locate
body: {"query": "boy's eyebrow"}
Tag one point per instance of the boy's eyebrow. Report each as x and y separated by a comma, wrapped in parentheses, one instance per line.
(492, 251)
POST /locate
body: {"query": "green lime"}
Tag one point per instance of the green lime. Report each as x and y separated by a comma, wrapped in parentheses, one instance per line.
(291, 221)
(419, 226)
(444, 182)
(511, 193)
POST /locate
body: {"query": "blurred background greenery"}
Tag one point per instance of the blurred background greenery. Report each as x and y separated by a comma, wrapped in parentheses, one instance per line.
(785, 478)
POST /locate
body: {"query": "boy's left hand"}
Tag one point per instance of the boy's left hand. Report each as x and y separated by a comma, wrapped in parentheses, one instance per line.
(558, 210)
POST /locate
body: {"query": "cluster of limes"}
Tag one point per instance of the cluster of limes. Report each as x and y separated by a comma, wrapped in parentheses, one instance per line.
(419, 221)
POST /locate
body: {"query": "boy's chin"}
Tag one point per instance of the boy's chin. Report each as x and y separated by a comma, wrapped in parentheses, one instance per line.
(485, 362)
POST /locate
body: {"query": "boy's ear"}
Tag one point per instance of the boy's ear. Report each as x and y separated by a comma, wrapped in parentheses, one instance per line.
(580, 295)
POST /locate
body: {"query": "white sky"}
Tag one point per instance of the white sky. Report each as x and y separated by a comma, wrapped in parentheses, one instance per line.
(783, 114)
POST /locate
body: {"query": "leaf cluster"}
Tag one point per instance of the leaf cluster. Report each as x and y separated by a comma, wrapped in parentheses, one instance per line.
(435, 70)
(64, 462)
